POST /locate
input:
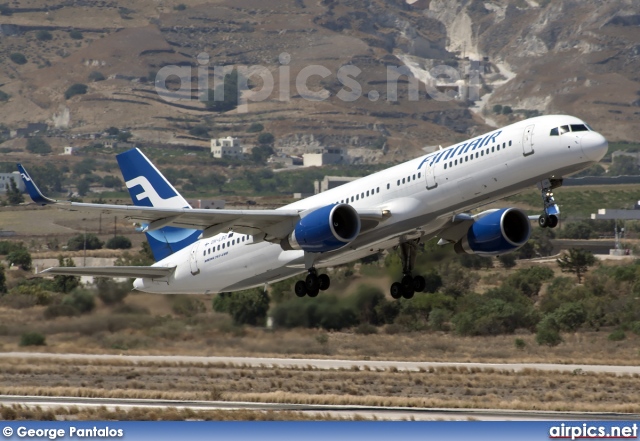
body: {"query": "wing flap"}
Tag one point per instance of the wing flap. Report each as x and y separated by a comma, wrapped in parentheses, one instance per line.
(142, 272)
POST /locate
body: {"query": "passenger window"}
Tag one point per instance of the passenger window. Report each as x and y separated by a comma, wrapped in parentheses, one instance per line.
(378, 190)
(204, 253)
(403, 180)
(367, 193)
(554, 132)
(357, 197)
(477, 155)
(398, 182)
(504, 145)
(498, 147)
(414, 177)
(223, 246)
(445, 166)
(351, 198)
(362, 195)
(388, 186)
(466, 158)
(218, 247)
(493, 149)
(509, 143)
(456, 162)
(482, 153)
(419, 175)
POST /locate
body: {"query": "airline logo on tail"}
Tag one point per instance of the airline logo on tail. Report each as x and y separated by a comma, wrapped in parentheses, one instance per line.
(150, 193)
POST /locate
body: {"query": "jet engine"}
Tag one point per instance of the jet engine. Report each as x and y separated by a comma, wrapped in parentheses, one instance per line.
(324, 229)
(495, 232)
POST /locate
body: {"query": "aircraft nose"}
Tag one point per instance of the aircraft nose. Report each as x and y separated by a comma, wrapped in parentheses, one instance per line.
(594, 146)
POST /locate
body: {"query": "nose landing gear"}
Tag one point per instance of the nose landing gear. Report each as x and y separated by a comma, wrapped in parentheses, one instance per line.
(549, 218)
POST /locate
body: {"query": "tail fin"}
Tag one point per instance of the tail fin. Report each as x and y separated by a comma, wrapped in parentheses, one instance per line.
(149, 188)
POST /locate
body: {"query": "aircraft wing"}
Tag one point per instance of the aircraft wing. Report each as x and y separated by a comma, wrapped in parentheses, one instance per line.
(151, 272)
(275, 224)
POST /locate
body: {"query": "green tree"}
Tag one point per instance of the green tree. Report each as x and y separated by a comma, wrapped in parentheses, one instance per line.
(3, 280)
(14, 195)
(21, 258)
(255, 128)
(43, 35)
(260, 154)
(75, 89)
(124, 136)
(84, 186)
(77, 242)
(247, 307)
(497, 109)
(112, 292)
(507, 260)
(200, 131)
(32, 339)
(65, 283)
(18, 58)
(96, 76)
(118, 243)
(38, 146)
(507, 110)
(570, 316)
(225, 97)
(576, 261)
(548, 332)
(266, 138)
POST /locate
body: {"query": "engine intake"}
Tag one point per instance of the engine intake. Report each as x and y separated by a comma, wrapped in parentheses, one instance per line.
(325, 229)
(496, 232)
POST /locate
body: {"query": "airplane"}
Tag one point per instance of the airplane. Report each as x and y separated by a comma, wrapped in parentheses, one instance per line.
(210, 251)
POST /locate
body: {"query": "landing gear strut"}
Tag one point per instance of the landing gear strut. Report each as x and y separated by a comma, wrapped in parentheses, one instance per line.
(313, 284)
(409, 284)
(549, 218)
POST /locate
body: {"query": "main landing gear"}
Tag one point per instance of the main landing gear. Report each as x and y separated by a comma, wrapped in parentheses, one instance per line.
(313, 284)
(549, 218)
(409, 284)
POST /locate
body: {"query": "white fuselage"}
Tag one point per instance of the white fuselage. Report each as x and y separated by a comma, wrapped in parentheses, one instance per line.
(421, 196)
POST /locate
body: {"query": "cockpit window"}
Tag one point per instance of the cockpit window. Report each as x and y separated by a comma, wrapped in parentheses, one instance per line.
(564, 129)
(579, 128)
(554, 132)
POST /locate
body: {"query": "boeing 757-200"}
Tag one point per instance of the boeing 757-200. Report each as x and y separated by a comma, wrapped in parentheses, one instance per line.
(210, 251)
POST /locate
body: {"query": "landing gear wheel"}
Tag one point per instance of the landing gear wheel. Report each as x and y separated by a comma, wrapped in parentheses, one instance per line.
(313, 293)
(419, 284)
(553, 221)
(408, 293)
(407, 282)
(396, 290)
(543, 221)
(324, 282)
(312, 283)
(300, 288)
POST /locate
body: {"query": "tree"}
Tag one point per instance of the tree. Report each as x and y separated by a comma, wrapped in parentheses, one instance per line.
(75, 89)
(18, 58)
(66, 284)
(497, 109)
(21, 258)
(266, 138)
(83, 187)
(81, 299)
(260, 154)
(199, 131)
(225, 97)
(112, 131)
(118, 243)
(255, 128)
(547, 332)
(96, 76)
(577, 261)
(3, 280)
(124, 136)
(247, 307)
(507, 260)
(14, 195)
(38, 146)
(44, 35)
(112, 292)
(77, 242)
(506, 110)
(76, 35)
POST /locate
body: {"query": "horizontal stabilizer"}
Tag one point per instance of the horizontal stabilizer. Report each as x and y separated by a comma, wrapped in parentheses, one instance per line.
(142, 272)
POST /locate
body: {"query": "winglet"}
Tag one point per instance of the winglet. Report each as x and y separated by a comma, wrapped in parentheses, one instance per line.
(34, 192)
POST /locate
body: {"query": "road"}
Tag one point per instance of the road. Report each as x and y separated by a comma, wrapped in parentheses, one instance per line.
(370, 412)
(329, 364)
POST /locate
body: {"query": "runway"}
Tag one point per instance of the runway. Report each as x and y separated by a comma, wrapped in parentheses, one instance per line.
(346, 412)
(329, 364)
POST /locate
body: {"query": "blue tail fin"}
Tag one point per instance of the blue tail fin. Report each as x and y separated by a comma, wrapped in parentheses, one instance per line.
(148, 188)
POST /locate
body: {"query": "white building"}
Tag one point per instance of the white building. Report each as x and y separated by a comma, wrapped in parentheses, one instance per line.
(329, 156)
(69, 150)
(228, 147)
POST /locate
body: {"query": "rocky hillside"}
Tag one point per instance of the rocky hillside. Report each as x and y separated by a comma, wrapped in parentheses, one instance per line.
(575, 56)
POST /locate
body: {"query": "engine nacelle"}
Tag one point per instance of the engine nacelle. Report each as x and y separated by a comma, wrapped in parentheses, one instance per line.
(494, 233)
(325, 229)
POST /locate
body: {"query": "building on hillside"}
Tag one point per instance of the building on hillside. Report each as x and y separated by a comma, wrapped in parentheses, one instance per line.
(327, 156)
(68, 150)
(5, 180)
(228, 147)
(330, 182)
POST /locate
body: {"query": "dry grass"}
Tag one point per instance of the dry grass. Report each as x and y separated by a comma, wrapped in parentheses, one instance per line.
(450, 387)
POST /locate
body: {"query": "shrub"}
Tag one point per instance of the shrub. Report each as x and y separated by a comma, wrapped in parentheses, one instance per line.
(77, 242)
(32, 339)
(325, 312)
(187, 306)
(180, 7)
(75, 89)
(118, 243)
(497, 108)
(507, 260)
(548, 332)
(570, 316)
(247, 307)
(44, 35)
(617, 335)
(81, 299)
(520, 343)
(255, 128)
(76, 35)
(4, 96)
(199, 131)
(506, 110)
(266, 139)
(96, 76)
(112, 292)
(38, 146)
(60, 310)
(365, 329)
(18, 58)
